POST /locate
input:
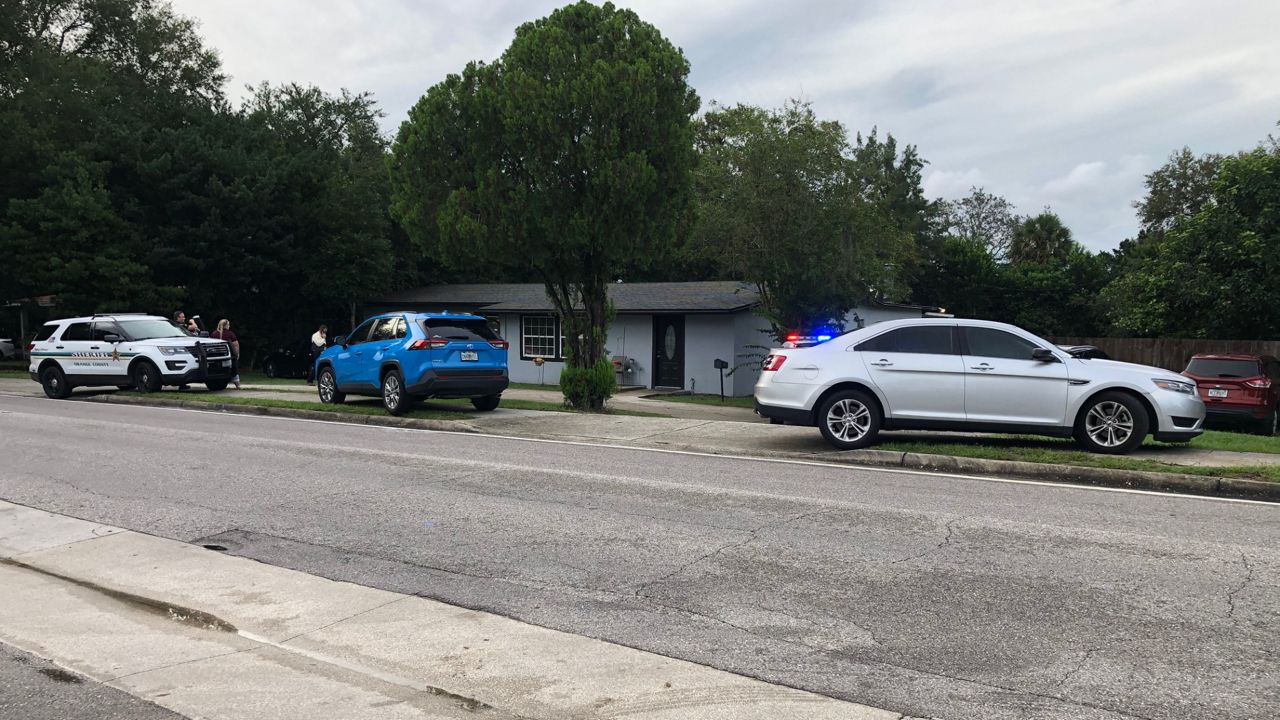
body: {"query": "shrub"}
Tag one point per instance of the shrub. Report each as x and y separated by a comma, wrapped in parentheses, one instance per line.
(588, 388)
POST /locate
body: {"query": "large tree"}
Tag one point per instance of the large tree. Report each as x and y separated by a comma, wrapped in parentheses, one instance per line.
(1040, 239)
(571, 156)
(1177, 190)
(1212, 274)
(783, 206)
(983, 217)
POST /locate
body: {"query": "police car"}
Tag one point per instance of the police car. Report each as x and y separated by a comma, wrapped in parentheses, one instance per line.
(142, 352)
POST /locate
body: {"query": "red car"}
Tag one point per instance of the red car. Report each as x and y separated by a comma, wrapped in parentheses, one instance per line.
(1238, 389)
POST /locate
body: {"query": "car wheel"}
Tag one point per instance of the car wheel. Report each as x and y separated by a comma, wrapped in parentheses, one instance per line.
(146, 378)
(328, 388)
(849, 420)
(216, 385)
(1112, 424)
(269, 369)
(486, 403)
(54, 382)
(394, 397)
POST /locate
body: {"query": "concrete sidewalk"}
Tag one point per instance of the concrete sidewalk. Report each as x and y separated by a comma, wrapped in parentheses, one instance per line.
(215, 636)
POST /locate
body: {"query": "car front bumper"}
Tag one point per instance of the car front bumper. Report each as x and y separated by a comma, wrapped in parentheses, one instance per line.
(1180, 417)
(201, 371)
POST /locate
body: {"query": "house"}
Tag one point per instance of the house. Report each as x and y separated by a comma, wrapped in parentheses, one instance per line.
(666, 335)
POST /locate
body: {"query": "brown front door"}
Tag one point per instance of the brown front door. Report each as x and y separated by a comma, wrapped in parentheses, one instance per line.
(668, 351)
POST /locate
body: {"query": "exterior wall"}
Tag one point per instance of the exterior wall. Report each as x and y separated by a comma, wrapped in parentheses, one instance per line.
(524, 371)
(632, 336)
(751, 340)
(707, 338)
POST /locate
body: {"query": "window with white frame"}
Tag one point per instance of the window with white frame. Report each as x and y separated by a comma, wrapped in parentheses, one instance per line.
(540, 337)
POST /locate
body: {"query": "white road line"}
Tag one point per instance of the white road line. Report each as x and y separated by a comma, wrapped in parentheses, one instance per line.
(745, 458)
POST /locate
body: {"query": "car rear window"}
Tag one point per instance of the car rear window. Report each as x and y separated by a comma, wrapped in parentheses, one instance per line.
(45, 333)
(458, 329)
(1205, 367)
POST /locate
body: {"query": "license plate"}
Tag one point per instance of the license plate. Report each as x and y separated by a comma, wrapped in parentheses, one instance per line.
(226, 363)
(469, 356)
(1217, 392)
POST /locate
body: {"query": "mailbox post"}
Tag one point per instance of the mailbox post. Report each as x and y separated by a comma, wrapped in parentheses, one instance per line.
(721, 365)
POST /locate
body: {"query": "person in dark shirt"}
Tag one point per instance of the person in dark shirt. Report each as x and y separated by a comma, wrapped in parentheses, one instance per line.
(225, 334)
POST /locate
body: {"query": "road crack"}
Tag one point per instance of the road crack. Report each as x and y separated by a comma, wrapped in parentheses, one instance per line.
(946, 541)
(1231, 594)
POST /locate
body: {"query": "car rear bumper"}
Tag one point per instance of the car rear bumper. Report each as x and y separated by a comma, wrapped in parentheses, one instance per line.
(460, 383)
(791, 416)
(1235, 412)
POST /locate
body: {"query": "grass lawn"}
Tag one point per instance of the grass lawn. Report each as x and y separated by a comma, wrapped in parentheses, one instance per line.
(435, 408)
(1235, 442)
(703, 399)
(1065, 452)
(15, 374)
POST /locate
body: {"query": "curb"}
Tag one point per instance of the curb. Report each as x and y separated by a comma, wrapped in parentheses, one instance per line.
(1045, 472)
(238, 409)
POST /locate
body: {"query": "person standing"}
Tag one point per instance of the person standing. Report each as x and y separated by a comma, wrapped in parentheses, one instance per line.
(225, 334)
(319, 341)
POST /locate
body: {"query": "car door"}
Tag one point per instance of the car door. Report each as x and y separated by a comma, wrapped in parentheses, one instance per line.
(1003, 384)
(381, 341)
(109, 361)
(346, 365)
(918, 370)
(73, 351)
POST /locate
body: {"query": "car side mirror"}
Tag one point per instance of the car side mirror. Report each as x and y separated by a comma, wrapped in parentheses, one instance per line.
(1044, 355)
(340, 340)
(111, 338)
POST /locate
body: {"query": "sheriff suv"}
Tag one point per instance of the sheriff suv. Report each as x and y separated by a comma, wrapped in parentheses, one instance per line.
(142, 352)
(405, 356)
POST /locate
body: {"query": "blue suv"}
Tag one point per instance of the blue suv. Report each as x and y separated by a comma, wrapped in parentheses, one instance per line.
(403, 357)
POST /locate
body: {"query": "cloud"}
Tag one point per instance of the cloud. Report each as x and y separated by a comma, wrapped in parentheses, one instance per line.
(1045, 103)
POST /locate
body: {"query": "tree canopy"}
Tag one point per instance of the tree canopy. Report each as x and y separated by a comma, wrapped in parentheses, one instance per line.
(569, 158)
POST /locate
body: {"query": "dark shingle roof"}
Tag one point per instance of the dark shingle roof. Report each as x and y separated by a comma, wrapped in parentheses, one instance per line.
(688, 297)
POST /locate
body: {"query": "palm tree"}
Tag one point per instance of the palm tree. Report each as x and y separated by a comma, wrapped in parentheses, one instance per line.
(1040, 239)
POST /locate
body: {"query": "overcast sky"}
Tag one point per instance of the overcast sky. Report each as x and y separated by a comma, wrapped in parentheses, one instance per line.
(1065, 104)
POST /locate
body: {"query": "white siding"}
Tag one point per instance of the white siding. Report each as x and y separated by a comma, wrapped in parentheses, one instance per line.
(707, 338)
(632, 336)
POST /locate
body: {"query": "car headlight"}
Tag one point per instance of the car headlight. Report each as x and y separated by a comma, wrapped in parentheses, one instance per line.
(175, 351)
(1185, 388)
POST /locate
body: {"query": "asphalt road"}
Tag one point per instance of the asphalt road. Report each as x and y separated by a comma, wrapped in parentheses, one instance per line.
(929, 595)
(32, 688)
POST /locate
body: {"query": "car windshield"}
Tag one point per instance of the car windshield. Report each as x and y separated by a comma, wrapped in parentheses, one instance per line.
(1207, 367)
(150, 328)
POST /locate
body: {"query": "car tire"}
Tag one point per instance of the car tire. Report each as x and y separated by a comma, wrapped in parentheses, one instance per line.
(54, 382)
(395, 398)
(216, 385)
(1112, 423)
(849, 420)
(146, 377)
(269, 369)
(327, 388)
(1270, 425)
(486, 403)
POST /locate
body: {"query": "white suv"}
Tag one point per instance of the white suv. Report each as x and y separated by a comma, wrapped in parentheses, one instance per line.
(144, 352)
(972, 375)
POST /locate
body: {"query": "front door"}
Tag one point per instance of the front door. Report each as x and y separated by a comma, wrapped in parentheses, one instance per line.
(668, 351)
(919, 371)
(1003, 384)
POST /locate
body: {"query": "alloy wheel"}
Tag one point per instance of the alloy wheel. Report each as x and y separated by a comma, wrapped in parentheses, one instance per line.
(391, 391)
(848, 420)
(326, 386)
(1109, 424)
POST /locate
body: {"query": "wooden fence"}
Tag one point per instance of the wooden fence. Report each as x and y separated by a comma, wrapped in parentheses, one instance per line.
(1170, 353)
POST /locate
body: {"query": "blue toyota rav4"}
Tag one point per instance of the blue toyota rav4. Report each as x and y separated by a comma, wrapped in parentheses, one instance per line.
(403, 357)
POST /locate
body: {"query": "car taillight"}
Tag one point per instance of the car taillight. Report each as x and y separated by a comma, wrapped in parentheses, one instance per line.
(773, 362)
(500, 344)
(793, 337)
(1260, 383)
(30, 346)
(428, 344)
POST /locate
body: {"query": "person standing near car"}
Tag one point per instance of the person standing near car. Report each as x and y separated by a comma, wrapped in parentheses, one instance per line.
(225, 334)
(319, 341)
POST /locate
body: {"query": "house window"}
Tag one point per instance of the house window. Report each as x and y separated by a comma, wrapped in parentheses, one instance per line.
(540, 337)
